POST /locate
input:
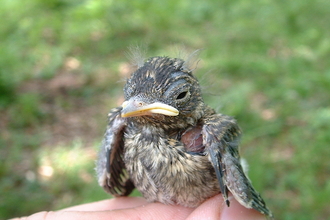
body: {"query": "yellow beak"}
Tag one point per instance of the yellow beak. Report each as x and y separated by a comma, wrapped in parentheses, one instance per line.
(133, 107)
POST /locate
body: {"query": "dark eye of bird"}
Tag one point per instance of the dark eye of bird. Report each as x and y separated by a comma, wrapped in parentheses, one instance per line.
(182, 95)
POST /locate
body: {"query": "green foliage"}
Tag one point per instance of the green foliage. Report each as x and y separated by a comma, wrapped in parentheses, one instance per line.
(26, 110)
(61, 65)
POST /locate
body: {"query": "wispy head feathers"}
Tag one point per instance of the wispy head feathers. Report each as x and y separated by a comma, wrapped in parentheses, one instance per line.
(191, 61)
(137, 55)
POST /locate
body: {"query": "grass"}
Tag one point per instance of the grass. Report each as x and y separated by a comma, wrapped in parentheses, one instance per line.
(62, 65)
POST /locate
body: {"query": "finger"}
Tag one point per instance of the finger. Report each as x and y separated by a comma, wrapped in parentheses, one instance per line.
(146, 212)
(110, 204)
(155, 211)
(238, 212)
(66, 215)
(215, 208)
(210, 209)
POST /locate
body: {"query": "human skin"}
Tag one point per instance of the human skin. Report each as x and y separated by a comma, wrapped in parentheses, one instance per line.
(137, 208)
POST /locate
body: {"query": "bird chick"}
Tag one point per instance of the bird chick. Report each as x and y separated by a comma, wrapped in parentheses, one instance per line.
(166, 142)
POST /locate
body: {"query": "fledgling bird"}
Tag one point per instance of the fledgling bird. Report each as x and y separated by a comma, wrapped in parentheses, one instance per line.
(165, 141)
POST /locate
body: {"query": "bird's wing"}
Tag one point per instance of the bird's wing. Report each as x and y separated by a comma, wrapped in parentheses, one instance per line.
(110, 167)
(221, 139)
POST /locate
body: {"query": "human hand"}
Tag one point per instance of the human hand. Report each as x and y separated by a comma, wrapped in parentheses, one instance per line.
(138, 208)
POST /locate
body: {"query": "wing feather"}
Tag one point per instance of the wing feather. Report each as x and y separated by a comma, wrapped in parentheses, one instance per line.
(221, 136)
(110, 167)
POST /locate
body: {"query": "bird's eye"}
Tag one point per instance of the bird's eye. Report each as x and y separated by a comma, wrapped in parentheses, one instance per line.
(182, 95)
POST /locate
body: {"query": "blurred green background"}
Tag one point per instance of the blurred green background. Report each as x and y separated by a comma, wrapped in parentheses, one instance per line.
(63, 64)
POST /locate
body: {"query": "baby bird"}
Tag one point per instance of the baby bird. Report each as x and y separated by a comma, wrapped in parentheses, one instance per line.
(165, 141)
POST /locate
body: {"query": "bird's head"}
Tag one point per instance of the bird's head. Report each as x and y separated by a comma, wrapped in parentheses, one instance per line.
(163, 90)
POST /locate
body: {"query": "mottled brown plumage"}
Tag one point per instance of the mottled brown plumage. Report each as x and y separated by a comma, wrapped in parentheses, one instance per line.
(165, 141)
